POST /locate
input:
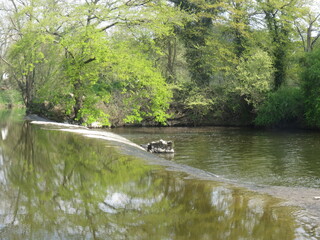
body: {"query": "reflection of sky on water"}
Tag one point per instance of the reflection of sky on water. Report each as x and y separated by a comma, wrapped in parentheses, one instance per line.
(4, 133)
(2, 173)
(117, 201)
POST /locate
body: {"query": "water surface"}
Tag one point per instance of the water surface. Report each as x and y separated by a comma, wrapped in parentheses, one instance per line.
(62, 185)
(277, 158)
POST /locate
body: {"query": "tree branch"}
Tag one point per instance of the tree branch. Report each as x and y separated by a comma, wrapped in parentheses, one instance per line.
(90, 60)
(315, 39)
(301, 36)
(315, 19)
(6, 62)
(108, 26)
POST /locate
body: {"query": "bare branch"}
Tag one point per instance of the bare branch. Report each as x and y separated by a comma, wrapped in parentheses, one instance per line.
(315, 19)
(14, 5)
(6, 62)
(315, 39)
(287, 4)
(109, 26)
(301, 35)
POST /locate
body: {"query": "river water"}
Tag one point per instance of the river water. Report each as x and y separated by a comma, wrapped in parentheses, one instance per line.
(63, 183)
(278, 158)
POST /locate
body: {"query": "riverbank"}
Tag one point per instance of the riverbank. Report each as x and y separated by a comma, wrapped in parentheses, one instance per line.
(179, 121)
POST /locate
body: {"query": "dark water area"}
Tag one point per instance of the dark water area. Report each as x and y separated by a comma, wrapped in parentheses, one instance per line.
(62, 185)
(276, 158)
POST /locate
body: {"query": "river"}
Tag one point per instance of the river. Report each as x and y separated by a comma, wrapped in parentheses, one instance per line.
(278, 158)
(60, 182)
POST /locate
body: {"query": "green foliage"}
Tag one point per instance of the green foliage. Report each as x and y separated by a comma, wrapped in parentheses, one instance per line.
(90, 111)
(11, 97)
(29, 59)
(87, 53)
(199, 104)
(27, 51)
(112, 62)
(255, 77)
(90, 62)
(311, 88)
(144, 90)
(194, 35)
(282, 107)
(279, 17)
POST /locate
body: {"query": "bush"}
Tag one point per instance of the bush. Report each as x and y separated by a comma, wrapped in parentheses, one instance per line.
(254, 77)
(282, 107)
(311, 88)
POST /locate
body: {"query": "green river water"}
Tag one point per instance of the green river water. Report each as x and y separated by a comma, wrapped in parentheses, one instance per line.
(57, 184)
(279, 158)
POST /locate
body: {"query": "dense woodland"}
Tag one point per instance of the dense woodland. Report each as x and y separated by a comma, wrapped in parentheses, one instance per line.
(157, 62)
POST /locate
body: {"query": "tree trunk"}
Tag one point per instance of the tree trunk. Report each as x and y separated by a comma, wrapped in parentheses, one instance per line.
(76, 108)
(280, 40)
(29, 88)
(78, 102)
(172, 52)
(309, 39)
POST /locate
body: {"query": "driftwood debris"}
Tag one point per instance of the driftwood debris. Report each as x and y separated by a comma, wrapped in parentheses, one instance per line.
(160, 146)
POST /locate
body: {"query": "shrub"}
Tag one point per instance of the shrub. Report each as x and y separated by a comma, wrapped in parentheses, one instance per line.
(311, 88)
(282, 107)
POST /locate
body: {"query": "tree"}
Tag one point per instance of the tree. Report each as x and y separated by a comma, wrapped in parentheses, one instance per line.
(81, 33)
(26, 56)
(279, 17)
(195, 34)
(308, 29)
(240, 14)
(254, 74)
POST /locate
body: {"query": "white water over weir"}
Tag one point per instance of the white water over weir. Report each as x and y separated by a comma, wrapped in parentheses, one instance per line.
(81, 130)
(90, 133)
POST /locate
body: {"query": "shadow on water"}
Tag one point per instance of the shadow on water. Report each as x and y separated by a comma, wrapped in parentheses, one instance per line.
(59, 185)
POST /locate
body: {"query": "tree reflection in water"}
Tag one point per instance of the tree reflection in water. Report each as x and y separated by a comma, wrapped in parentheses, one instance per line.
(57, 185)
